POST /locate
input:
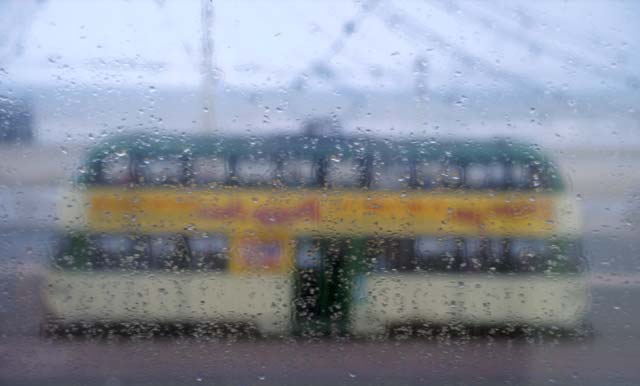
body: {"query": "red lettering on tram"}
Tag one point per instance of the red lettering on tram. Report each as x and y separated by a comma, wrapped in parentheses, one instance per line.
(468, 216)
(233, 210)
(513, 210)
(309, 209)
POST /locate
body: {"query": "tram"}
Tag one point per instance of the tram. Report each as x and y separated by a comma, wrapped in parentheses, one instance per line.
(313, 234)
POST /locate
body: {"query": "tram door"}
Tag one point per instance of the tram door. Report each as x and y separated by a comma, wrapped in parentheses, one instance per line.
(324, 275)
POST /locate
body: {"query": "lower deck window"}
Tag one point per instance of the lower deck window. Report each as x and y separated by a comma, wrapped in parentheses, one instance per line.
(119, 252)
(169, 253)
(491, 255)
(209, 253)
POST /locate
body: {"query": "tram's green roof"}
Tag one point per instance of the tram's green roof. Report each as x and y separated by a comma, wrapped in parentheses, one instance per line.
(460, 152)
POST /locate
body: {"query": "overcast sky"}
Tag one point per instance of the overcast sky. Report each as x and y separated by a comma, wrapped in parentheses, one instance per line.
(270, 44)
(471, 51)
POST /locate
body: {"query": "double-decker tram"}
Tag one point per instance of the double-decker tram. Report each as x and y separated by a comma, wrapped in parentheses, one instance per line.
(318, 234)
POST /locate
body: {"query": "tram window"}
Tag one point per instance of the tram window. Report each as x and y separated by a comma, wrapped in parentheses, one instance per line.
(298, 172)
(572, 253)
(345, 173)
(308, 254)
(520, 176)
(111, 250)
(528, 255)
(476, 176)
(209, 252)
(452, 176)
(121, 251)
(390, 254)
(485, 254)
(210, 170)
(161, 170)
(427, 246)
(476, 253)
(395, 176)
(441, 254)
(70, 246)
(169, 252)
(255, 172)
(536, 177)
(496, 175)
(429, 175)
(496, 258)
(116, 169)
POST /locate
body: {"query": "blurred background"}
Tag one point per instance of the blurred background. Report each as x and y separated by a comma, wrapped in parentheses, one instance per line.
(562, 75)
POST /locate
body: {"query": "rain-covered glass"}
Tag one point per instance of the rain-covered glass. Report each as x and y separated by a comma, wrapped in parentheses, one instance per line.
(339, 192)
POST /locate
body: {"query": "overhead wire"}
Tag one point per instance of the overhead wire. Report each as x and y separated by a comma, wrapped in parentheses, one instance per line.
(410, 29)
(499, 28)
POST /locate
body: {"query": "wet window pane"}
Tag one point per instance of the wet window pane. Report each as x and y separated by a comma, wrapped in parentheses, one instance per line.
(368, 192)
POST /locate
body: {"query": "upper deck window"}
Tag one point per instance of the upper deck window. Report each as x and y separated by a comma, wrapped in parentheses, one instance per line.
(161, 170)
(496, 175)
(345, 173)
(255, 171)
(116, 169)
(207, 170)
(527, 176)
(520, 176)
(452, 176)
(394, 176)
(431, 175)
(476, 176)
(479, 176)
(300, 172)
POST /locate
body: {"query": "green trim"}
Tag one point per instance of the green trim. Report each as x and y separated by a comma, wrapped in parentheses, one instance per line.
(462, 153)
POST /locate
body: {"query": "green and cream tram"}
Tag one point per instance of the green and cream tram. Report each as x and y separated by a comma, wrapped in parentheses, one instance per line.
(314, 234)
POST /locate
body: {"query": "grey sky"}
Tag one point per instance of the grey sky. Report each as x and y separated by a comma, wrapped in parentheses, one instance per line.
(492, 68)
(267, 44)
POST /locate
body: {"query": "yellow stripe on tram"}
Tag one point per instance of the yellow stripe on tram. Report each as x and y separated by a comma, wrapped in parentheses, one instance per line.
(303, 212)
